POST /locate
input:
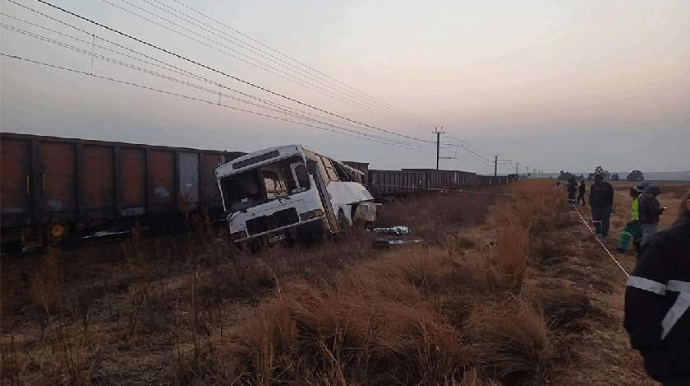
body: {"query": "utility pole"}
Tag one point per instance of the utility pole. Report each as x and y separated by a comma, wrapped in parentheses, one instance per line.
(496, 165)
(517, 169)
(438, 143)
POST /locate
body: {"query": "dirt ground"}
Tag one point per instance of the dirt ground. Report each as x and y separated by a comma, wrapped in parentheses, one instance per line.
(509, 289)
(605, 357)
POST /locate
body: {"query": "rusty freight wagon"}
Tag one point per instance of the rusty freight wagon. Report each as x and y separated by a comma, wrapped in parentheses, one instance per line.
(440, 179)
(395, 182)
(54, 189)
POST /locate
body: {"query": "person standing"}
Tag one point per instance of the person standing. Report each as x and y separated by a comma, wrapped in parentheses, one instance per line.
(582, 189)
(572, 189)
(650, 212)
(633, 230)
(657, 299)
(601, 202)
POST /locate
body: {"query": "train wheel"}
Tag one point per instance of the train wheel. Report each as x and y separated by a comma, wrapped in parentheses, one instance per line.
(57, 231)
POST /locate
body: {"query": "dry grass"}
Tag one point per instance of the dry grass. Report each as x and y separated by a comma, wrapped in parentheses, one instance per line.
(434, 216)
(511, 341)
(458, 311)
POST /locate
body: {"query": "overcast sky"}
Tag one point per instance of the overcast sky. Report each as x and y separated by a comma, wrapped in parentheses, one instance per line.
(556, 85)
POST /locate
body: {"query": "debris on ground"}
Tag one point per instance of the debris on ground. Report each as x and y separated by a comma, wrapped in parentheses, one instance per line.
(390, 243)
(396, 230)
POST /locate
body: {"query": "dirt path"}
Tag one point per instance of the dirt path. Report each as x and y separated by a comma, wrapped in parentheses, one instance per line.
(603, 355)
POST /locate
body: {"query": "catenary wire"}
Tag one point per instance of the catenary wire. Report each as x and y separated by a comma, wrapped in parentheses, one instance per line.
(220, 72)
(280, 108)
(240, 33)
(197, 87)
(184, 96)
(232, 52)
(264, 55)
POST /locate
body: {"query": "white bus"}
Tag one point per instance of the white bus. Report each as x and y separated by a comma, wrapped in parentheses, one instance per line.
(290, 192)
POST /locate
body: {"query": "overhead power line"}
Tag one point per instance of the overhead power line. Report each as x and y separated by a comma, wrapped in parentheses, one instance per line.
(188, 97)
(266, 55)
(296, 61)
(229, 51)
(233, 77)
(271, 106)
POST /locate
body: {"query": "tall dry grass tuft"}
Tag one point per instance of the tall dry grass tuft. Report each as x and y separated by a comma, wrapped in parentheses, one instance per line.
(473, 378)
(566, 309)
(10, 368)
(510, 341)
(510, 257)
(44, 288)
(368, 327)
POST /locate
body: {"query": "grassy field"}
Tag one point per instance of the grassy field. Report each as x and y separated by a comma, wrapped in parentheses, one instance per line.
(507, 290)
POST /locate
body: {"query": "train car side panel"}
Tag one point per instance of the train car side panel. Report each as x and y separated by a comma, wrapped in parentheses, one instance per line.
(15, 189)
(188, 179)
(97, 165)
(132, 183)
(209, 193)
(161, 181)
(58, 181)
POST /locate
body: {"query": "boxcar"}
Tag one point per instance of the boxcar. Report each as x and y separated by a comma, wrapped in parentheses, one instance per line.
(53, 188)
(396, 182)
(439, 179)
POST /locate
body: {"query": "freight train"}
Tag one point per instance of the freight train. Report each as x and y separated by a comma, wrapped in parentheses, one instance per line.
(383, 183)
(56, 189)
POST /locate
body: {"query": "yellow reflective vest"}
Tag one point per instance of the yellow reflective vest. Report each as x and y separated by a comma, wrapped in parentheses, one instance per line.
(635, 209)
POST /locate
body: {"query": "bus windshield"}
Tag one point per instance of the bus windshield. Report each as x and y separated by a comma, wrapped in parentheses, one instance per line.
(265, 183)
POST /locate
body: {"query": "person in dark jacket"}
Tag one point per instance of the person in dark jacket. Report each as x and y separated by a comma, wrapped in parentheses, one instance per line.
(582, 189)
(650, 211)
(572, 189)
(601, 202)
(657, 299)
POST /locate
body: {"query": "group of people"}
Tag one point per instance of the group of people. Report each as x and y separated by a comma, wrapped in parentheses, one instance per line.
(657, 296)
(646, 209)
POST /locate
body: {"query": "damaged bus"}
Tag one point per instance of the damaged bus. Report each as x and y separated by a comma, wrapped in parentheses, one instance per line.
(291, 193)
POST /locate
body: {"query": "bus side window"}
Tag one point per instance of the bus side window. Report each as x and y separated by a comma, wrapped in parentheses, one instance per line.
(332, 174)
(346, 175)
(302, 176)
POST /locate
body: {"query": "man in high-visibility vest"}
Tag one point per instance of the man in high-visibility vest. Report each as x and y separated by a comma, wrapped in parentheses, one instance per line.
(633, 230)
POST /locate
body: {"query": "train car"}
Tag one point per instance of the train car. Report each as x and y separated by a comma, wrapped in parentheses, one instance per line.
(439, 179)
(57, 188)
(396, 182)
(465, 178)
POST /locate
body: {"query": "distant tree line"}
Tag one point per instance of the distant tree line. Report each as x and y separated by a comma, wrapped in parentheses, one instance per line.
(635, 175)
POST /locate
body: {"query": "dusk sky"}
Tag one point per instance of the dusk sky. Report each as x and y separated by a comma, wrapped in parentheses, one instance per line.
(556, 85)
